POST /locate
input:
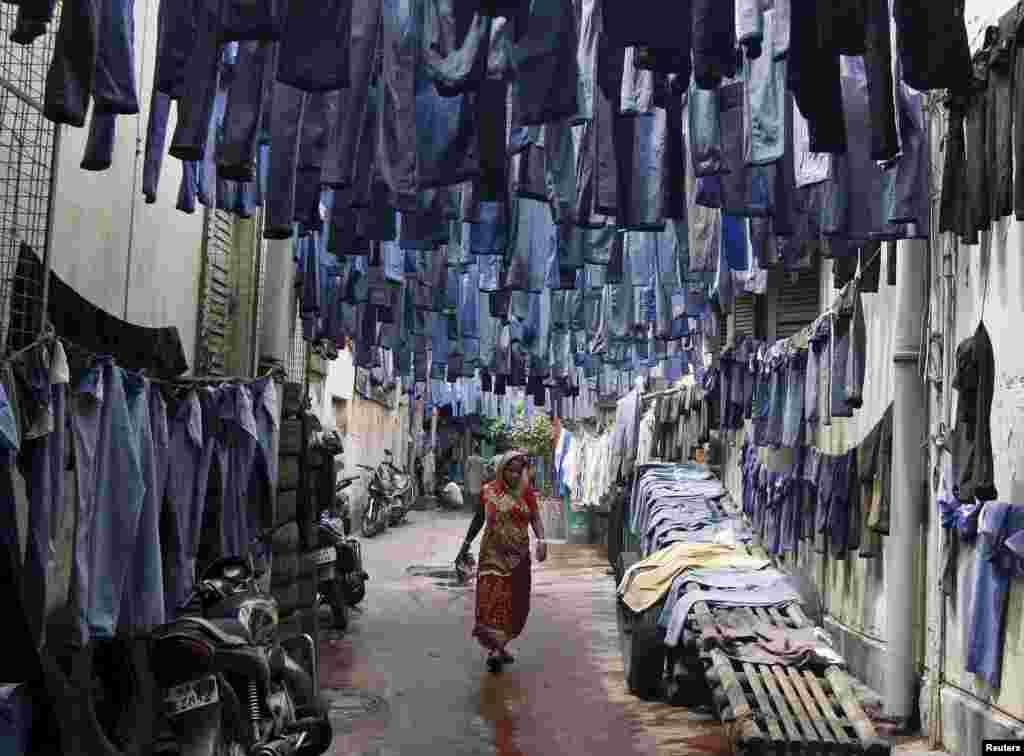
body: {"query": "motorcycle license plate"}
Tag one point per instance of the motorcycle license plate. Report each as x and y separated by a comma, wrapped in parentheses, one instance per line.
(191, 695)
(326, 555)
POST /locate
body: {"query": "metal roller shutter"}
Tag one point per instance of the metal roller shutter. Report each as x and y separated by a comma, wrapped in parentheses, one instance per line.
(799, 301)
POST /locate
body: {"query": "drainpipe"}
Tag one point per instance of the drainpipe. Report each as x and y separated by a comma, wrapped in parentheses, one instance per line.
(903, 545)
(275, 326)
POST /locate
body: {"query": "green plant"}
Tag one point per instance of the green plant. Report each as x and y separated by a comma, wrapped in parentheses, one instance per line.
(535, 435)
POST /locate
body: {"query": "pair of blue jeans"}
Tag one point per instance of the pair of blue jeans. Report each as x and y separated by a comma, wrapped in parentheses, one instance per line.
(94, 58)
(111, 494)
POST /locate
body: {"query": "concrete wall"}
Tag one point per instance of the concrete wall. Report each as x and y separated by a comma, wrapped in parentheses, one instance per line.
(989, 278)
(371, 427)
(107, 240)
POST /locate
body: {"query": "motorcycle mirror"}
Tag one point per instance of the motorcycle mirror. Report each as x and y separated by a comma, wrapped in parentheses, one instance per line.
(387, 452)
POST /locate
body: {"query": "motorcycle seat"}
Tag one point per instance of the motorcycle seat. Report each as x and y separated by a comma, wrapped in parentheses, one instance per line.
(333, 529)
(220, 630)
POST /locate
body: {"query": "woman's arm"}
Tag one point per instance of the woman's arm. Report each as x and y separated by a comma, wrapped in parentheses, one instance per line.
(538, 527)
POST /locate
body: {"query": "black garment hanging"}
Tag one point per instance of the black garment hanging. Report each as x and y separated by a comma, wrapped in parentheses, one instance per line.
(156, 350)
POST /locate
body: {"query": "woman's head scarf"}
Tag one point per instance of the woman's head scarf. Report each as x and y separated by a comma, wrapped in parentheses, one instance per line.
(503, 461)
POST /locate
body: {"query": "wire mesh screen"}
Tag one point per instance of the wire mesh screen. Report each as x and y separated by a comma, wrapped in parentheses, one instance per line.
(28, 149)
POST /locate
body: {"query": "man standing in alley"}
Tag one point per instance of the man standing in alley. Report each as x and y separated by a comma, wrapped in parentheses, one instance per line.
(475, 473)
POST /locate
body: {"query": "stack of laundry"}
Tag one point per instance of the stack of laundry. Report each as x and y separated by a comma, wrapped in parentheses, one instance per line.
(673, 502)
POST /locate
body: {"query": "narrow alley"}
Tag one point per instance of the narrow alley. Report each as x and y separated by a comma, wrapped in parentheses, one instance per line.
(407, 677)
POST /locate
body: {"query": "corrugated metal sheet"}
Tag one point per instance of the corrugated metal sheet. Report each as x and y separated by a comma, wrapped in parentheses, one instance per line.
(799, 302)
(215, 294)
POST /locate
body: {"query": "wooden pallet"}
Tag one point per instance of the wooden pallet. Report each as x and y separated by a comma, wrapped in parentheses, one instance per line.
(782, 710)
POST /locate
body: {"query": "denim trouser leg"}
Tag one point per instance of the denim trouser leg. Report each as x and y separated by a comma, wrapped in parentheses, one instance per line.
(840, 356)
(793, 422)
(188, 471)
(315, 46)
(812, 75)
(156, 137)
(289, 105)
(45, 491)
(643, 171)
(176, 39)
(714, 41)
(110, 496)
(239, 443)
(114, 86)
(187, 190)
(606, 93)
(208, 182)
(245, 20)
(236, 158)
(763, 122)
(857, 361)
(705, 132)
(195, 107)
(144, 603)
(396, 125)
(69, 79)
(878, 61)
(99, 148)
(339, 167)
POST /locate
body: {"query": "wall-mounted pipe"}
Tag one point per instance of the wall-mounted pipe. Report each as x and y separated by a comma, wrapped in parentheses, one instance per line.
(910, 423)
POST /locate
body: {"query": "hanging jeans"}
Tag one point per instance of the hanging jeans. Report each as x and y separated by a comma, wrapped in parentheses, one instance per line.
(321, 111)
(714, 42)
(812, 75)
(244, 111)
(156, 138)
(396, 124)
(348, 129)
(763, 103)
(195, 106)
(111, 491)
(933, 45)
(71, 75)
(314, 53)
(237, 451)
(144, 604)
(93, 58)
(186, 498)
(288, 110)
(99, 147)
(44, 478)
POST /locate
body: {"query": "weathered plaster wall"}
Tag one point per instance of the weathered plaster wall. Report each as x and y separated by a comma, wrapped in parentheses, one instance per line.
(966, 285)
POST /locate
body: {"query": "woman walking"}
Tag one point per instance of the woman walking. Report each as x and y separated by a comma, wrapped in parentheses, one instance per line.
(503, 575)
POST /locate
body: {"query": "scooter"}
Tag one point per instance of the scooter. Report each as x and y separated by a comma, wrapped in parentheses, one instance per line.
(340, 576)
(229, 685)
(390, 490)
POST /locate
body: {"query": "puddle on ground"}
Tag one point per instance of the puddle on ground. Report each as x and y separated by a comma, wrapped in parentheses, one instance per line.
(444, 572)
(351, 703)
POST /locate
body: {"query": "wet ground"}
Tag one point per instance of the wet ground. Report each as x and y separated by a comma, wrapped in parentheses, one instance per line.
(407, 678)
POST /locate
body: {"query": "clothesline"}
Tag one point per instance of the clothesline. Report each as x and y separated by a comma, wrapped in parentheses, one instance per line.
(834, 306)
(49, 335)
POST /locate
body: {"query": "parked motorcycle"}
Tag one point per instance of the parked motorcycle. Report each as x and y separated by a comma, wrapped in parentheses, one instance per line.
(390, 496)
(341, 579)
(230, 686)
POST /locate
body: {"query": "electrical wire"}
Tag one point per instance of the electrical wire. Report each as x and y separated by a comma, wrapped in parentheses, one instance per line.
(135, 165)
